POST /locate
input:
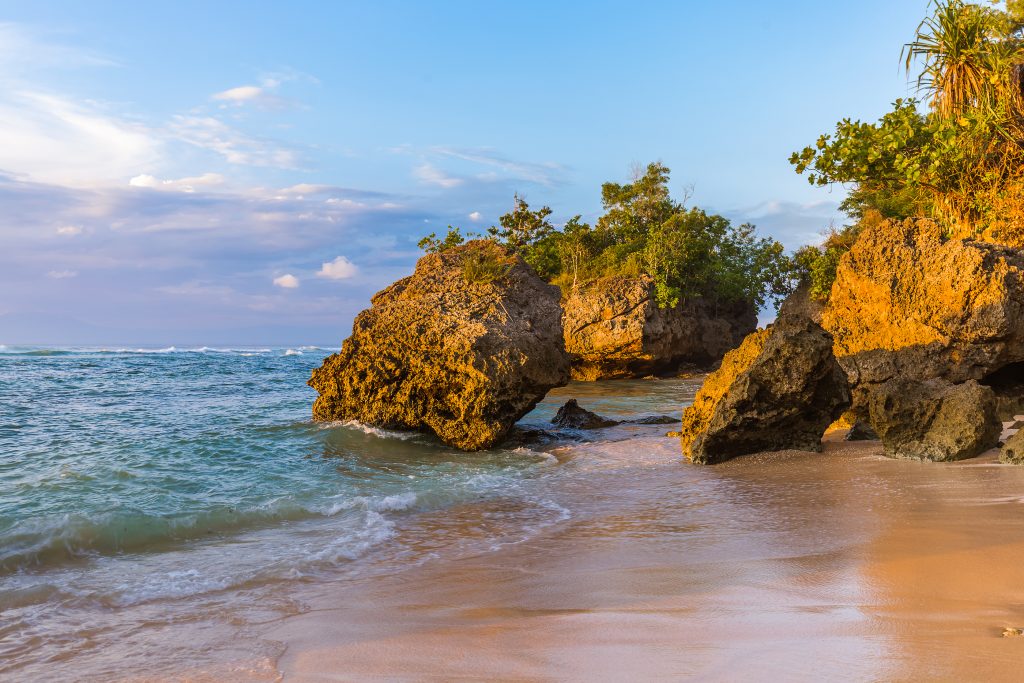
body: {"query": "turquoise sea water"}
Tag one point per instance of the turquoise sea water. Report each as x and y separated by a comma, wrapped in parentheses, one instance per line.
(165, 486)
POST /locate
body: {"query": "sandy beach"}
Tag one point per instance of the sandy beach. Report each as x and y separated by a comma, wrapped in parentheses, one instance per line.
(841, 564)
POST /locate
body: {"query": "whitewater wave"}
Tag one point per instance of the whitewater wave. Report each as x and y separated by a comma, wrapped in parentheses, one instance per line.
(43, 542)
(105, 350)
(372, 431)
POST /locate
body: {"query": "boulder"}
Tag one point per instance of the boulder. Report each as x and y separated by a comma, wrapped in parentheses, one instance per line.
(572, 416)
(861, 431)
(909, 304)
(934, 419)
(1012, 451)
(615, 329)
(779, 390)
(462, 348)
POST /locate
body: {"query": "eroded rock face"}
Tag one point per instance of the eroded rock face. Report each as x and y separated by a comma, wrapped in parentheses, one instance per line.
(438, 353)
(934, 419)
(779, 390)
(614, 329)
(908, 305)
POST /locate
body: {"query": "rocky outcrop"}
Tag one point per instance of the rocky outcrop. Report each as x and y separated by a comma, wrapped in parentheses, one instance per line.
(615, 329)
(907, 304)
(801, 303)
(779, 390)
(934, 419)
(573, 416)
(463, 348)
(1012, 451)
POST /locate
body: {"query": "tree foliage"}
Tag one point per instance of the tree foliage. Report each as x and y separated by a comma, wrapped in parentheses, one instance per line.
(958, 155)
(689, 253)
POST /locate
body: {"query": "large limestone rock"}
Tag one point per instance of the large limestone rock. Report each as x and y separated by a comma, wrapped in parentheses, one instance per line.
(779, 390)
(463, 348)
(907, 304)
(614, 329)
(934, 419)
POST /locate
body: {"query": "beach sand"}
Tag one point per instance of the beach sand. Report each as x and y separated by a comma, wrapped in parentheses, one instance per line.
(795, 566)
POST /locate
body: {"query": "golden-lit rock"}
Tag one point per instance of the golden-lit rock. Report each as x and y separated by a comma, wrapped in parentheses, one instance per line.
(909, 304)
(779, 390)
(615, 329)
(463, 348)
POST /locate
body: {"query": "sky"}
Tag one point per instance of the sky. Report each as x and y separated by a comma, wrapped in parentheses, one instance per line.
(252, 172)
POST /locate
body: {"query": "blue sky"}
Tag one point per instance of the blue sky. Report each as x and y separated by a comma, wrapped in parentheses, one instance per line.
(243, 172)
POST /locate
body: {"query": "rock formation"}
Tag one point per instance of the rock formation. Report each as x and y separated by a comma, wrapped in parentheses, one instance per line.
(1012, 451)
(908, 304)
(934, 419)
(463, 348)
(572, 416)
(779, 390)
(614, 329)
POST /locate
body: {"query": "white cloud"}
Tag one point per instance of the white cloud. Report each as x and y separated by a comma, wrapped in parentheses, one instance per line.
(181, 184)
(62, 274)
(69, 230)
(236, 147)
(432, 175)
(287, 281)
(242, 93)
(338, 269)
(475, 216)
(51, 139)
(258, 95)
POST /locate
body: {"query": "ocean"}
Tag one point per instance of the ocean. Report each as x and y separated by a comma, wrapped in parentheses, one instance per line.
(156, 505)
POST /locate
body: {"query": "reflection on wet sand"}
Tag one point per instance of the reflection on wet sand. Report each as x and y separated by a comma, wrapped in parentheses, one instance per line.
(790, 565)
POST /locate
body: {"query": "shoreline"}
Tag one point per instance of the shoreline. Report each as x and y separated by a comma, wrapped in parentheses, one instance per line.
(850, 573)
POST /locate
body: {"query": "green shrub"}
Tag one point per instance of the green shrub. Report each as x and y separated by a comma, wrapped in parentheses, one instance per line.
(483, 265)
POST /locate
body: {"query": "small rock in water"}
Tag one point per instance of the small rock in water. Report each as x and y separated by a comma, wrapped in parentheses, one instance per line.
(572, 416)
(1011, 632)
(654, 420)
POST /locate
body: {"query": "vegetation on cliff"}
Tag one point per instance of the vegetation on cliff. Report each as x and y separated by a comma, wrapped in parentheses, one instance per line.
(689, 253)
(956, 156)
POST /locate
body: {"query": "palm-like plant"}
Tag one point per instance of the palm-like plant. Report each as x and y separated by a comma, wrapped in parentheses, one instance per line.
(963, 55)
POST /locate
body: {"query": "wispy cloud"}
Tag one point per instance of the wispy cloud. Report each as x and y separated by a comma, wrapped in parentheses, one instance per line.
(49, 138)
(236, 147)
(548, 174)
(179, 184)
(62, 274)
(792, 223)
(263, 96)
(431, 175)
(243, 93)
(24, 49)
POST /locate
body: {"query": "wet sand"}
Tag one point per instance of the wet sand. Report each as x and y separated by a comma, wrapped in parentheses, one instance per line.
(787, 566)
